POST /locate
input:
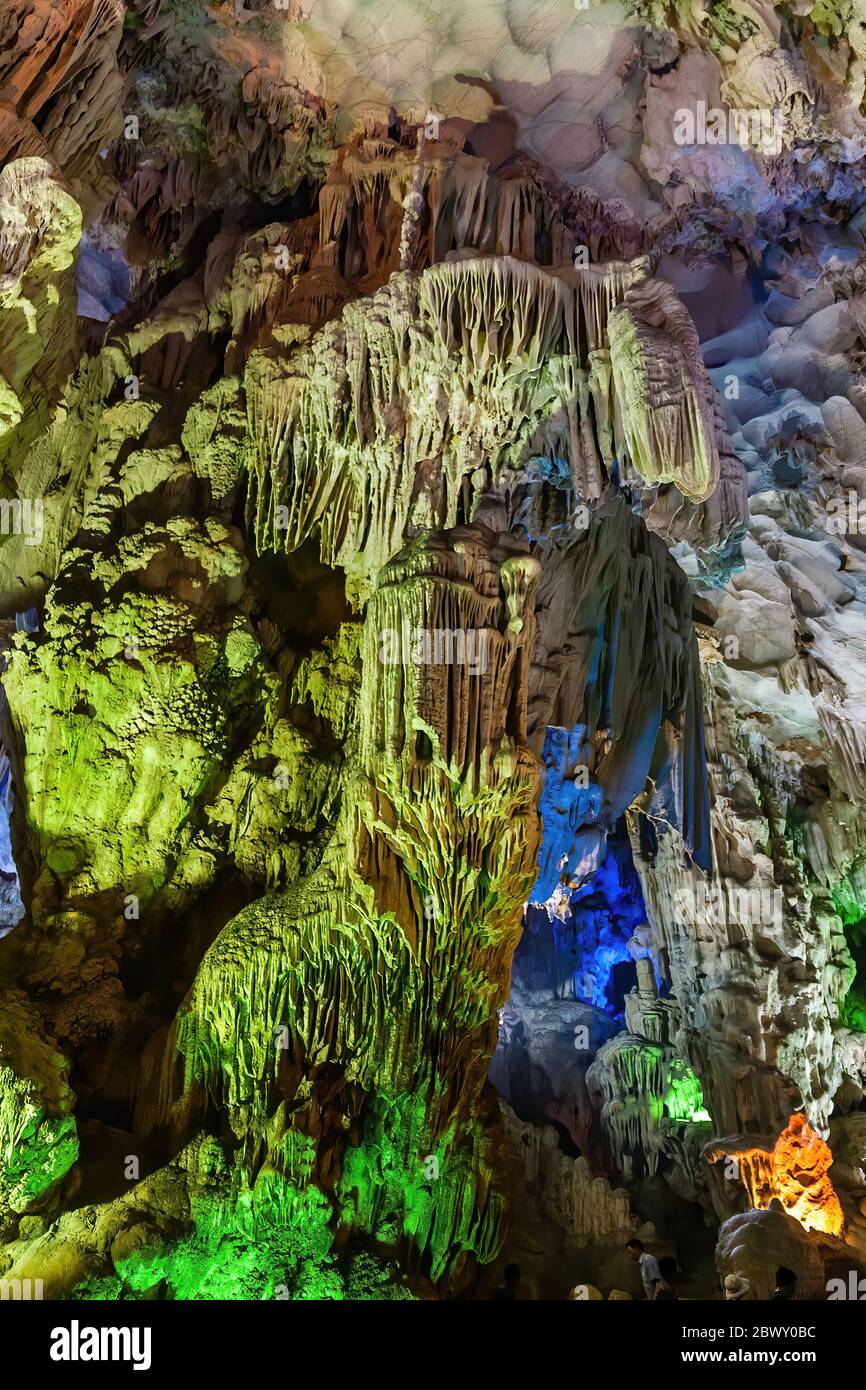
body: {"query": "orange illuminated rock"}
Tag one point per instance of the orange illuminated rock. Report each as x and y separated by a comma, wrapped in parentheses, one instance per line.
(800, 1162)
(792, 1175)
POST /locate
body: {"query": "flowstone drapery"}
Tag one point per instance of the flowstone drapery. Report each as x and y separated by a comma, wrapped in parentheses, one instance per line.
(385, 790)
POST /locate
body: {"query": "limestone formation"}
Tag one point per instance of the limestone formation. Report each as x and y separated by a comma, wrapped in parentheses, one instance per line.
(432, 646)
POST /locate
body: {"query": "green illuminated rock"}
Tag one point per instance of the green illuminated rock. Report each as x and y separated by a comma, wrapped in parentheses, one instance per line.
(38, 1139)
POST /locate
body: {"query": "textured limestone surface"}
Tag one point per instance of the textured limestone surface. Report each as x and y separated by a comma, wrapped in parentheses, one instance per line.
(432, 644)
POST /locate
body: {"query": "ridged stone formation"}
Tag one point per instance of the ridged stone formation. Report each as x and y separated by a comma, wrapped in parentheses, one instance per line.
(432, 646)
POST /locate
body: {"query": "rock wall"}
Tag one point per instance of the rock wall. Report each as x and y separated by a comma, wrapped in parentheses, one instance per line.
(430, 511)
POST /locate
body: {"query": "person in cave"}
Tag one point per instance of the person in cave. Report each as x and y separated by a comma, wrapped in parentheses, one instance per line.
(737, 1288)
(509, 1289)
(670, 1272)
(786, 1285)
(654, 1284)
